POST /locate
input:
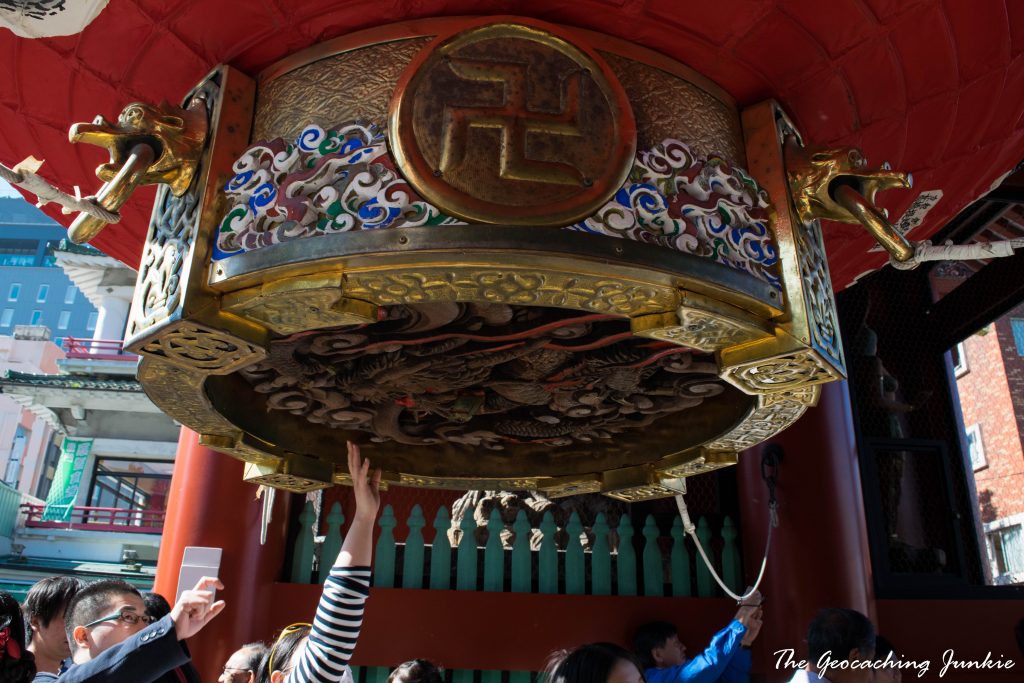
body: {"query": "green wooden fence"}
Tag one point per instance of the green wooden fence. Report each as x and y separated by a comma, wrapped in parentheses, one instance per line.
(648, 563)
(10, 506)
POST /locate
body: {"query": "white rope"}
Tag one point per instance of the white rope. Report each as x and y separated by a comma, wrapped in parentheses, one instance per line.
(24, 175)
(926, 251)
(691, 529)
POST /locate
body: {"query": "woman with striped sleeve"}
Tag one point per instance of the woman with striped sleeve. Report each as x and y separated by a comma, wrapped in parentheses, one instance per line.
(319, 653)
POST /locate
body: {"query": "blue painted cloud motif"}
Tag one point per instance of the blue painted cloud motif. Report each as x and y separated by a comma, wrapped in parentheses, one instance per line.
(698, 206)
(342, 179)
(325, 181)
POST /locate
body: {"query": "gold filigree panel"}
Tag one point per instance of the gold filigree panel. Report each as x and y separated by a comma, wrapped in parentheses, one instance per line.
(560, 487)
(790, 371)
(708, 461)
(200, 348)
(352, 85)
(820, 302)
(236, 446)
(282, 476)
(773, 413)
(703, 324)
(511, 286)
(464, 483)
(161, 282)
(638, 494)
(179, 392)
(300, 304)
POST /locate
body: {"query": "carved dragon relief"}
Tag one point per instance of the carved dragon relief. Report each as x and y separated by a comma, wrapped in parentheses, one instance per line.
(488, 375)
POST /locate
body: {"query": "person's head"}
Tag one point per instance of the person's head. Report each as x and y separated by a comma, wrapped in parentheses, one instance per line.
(277, 661)
(657, 645)
(594, 663)
(17, 665)
(843, 635)
(283, 656)
(101, 615)
(416, 671)
(44, 609)
(888, 674)
(157, 606)
(243, 664)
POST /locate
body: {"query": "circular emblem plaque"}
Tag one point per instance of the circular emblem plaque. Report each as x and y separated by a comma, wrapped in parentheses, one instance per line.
(512, 123)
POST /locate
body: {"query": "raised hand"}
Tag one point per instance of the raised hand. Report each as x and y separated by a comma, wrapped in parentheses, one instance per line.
(196, 608)
(365, 484)
(753, 623)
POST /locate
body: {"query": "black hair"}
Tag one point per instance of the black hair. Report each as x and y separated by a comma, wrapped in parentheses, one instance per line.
(17, 665)
(277, 657)
(883, 647)
(156, 605)
(591, 663)
(651, 636)
(416, 671)
(47, 598)
(839, 630)
(255, 652)
(92, 601)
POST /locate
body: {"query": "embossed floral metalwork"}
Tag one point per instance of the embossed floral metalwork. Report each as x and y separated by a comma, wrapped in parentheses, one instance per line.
(773, 413)
(705, 330)
(508, 285)
(820, 302)
(172, 231)
(195, 346)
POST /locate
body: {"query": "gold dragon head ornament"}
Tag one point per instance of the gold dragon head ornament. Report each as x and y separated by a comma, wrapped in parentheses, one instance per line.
(148, 144)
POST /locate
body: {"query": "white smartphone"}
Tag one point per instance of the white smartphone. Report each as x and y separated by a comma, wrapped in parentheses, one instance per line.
(196, 563)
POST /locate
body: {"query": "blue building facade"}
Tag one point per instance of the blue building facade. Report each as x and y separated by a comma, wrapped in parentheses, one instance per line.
(33, 289)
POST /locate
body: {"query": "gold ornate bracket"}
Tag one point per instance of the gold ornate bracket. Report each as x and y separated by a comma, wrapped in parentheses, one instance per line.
(147, 145)
(836, 185)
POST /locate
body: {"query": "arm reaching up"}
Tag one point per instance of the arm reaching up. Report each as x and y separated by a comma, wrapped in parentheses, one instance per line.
(339, 616)
(366, 486)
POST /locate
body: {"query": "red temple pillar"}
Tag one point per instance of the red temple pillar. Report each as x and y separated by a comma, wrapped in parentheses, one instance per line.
(210, 505)
(819, 555)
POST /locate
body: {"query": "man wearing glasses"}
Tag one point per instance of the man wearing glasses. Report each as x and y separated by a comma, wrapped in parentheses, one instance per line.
(112, 639)
(242, 665)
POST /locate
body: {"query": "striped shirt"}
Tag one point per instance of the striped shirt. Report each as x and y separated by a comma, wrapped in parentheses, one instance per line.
(325, 654)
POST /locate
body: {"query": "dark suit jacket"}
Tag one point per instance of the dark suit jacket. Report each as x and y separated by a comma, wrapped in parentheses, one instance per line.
(150, 655)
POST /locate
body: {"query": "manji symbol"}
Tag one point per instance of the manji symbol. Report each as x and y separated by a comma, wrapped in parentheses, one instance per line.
(515, 121)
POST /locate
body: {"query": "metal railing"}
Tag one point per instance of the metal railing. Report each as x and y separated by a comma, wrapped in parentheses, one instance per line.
(96, 519)
(96, 349)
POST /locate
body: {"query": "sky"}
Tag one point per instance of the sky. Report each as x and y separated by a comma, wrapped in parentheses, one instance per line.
(7, 191)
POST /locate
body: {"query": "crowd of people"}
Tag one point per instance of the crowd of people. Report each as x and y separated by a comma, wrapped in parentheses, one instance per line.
(72, 632)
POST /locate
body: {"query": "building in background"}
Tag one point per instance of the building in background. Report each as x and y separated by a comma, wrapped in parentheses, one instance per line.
(990, 382)
(34, 290)
(28, 455)
(87, 457)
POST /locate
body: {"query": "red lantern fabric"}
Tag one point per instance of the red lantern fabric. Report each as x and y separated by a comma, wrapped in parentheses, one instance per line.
(936, 88)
